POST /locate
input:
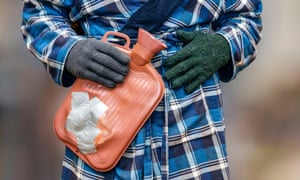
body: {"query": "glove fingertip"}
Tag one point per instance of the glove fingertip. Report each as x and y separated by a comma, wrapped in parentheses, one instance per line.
(125, 59)
(182, 35)
(167, 76)
(110, 85)
(186, 36)
(177, 83)
(171, 60)
(192, 87)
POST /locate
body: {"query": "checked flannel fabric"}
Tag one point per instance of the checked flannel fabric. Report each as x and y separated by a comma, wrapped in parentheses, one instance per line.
(184, 137)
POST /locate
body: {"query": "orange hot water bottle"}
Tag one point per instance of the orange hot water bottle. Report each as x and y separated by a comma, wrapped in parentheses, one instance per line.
(98, 123)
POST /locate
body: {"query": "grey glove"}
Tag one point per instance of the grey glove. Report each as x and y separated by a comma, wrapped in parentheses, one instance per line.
(97, 61)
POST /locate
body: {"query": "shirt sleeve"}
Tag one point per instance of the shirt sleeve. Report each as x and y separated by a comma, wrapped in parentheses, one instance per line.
(48, 35)
(241, 25)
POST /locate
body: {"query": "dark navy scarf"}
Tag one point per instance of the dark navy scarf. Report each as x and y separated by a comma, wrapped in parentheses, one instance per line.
(150, 16)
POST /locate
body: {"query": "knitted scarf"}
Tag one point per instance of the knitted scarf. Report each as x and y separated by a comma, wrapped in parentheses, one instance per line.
(150, 16)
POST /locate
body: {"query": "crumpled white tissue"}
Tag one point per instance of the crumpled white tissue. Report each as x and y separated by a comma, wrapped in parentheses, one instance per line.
(82, 120)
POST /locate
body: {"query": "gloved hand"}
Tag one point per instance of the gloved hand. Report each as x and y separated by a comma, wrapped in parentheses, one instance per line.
(202, 55)
(97, 61)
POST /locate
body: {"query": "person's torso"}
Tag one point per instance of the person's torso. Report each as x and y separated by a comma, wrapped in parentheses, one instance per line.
(99, 16)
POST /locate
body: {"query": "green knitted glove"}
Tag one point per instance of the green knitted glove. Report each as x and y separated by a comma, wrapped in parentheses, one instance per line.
(202, 55)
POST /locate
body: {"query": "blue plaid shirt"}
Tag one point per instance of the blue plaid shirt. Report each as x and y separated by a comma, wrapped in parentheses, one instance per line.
(184, 137)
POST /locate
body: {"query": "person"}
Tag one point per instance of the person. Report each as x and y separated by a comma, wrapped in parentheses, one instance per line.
(208, 42)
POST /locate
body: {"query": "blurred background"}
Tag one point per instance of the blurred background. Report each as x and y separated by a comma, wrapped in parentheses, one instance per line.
(262, 106)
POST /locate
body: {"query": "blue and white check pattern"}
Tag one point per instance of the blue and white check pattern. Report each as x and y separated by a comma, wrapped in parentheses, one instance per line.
(184, 137)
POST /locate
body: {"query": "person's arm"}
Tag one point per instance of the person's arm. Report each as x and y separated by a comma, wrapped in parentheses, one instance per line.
(241, 25)
(48, 35)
